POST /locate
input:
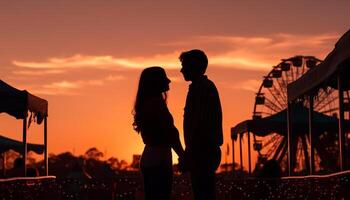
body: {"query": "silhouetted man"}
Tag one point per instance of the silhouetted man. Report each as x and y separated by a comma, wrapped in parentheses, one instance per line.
(202, 125)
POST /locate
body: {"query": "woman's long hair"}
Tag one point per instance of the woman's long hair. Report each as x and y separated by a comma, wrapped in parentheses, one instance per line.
(151, 84)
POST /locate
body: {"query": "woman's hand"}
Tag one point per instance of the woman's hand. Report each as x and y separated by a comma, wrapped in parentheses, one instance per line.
(182, 166)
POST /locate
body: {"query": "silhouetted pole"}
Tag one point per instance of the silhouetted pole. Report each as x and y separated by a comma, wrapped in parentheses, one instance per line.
(4, 164)
(348, 105)
(341, 130)
(306, 153)
(226, 155)
(45, 146)
(289, 131)
(347, 108)
(25, 145)
(249, 156)
(233, 157)
(240, 151)
(311, 124)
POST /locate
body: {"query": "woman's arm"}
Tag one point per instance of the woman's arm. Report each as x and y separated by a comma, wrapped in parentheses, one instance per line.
(176, 143)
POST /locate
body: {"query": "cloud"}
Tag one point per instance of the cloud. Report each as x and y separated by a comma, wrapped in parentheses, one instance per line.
(37, 72)
(114, 78)
(239, 63)
(250, 53)
(306, 41)
(257, 53)
(72, 87)
(202, 40)
(101, 62)
(236, 40)
(63, 85)
(76, 61)
(276, 40)
(249, 85)
(260, 53)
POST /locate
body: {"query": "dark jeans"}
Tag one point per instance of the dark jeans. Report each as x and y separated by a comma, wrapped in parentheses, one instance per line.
(202, 172)
(157, 182)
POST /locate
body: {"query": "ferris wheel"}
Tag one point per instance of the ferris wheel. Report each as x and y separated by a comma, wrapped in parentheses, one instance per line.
(271, 99)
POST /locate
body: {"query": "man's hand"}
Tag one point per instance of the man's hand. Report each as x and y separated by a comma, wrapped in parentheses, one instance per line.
(185, 162)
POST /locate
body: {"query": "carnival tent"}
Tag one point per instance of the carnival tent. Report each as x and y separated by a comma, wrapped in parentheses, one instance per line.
(277, 123)
(11, 144)
(332, 72)
(325, 74)
(18, 103)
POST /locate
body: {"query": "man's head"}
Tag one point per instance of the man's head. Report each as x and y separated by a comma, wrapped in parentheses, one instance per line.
(194, 64)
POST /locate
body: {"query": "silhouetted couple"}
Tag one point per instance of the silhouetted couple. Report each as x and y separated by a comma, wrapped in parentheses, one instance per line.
(202, 129)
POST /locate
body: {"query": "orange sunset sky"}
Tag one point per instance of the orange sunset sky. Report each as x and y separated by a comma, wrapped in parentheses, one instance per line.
(85, 58)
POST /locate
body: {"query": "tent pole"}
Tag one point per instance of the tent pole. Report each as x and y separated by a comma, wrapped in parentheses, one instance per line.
(233, 157)
(289, 131)
(25, 146)
(240, 152)
(341, 133)
(249, 155)
(45, 146)
(311, 124)
(4, 164)
(348, 107)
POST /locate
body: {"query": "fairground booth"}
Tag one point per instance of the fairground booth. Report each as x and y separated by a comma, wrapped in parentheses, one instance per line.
(26, 107)
(330, 76)
(301, 106)
(7, 144)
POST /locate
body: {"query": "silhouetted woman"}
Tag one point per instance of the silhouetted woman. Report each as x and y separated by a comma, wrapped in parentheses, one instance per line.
(155, 123)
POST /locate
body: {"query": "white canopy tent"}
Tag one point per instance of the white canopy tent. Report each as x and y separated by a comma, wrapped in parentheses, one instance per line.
(18, 103)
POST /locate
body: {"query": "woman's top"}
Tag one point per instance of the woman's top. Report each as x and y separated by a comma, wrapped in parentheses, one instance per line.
(158, 133)
(157, 124)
